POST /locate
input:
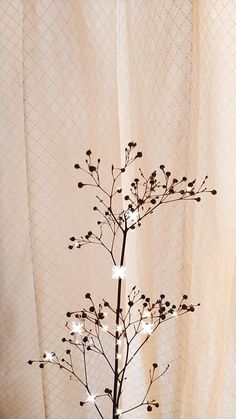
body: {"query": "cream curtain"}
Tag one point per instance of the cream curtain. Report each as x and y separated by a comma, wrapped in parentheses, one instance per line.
(78, 74)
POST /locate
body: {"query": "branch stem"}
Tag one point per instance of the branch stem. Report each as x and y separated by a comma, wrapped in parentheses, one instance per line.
(118, 306)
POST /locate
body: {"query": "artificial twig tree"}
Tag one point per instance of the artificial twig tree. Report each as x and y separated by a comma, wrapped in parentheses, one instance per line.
(136, 320)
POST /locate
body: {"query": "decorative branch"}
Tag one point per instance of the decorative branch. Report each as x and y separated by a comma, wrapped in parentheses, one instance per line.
(140, 317)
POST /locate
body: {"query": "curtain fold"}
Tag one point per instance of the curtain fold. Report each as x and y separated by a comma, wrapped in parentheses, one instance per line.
(85, 74)
(19, 317)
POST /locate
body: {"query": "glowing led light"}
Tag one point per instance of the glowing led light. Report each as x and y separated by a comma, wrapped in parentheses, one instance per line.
(147, 328)
(189, 188)
(91, 399)
(118, 272)
(118, 356)
(105, 314)
(104, 328)
(146, 314)
(119, 328)
(118, 412)
(175, 314)
(76, 244)
(48, 356)
(76, 328)
(133, 216)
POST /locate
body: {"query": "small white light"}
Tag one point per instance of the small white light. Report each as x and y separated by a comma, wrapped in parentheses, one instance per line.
(76, 244)
(146, 313)
(147, 328)
(118, 272)
(189, 188)
(175, 314)
(76, 328)
(118, 356)
(118, 412)
(119, 328)
(91, 398)
(104, 328)
(48, 356)
(133, 216)
(105, 314)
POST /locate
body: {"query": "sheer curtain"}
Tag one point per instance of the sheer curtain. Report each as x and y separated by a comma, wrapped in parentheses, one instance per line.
(79, 74)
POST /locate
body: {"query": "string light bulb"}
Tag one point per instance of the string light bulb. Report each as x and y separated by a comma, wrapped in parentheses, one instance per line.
(146, 314)
(91, 398)
(147, 328)
(119, 328)
(105, 328)
(118, 412)
(118, 272)
(48, 356)
(133, 216)
(76, 328)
